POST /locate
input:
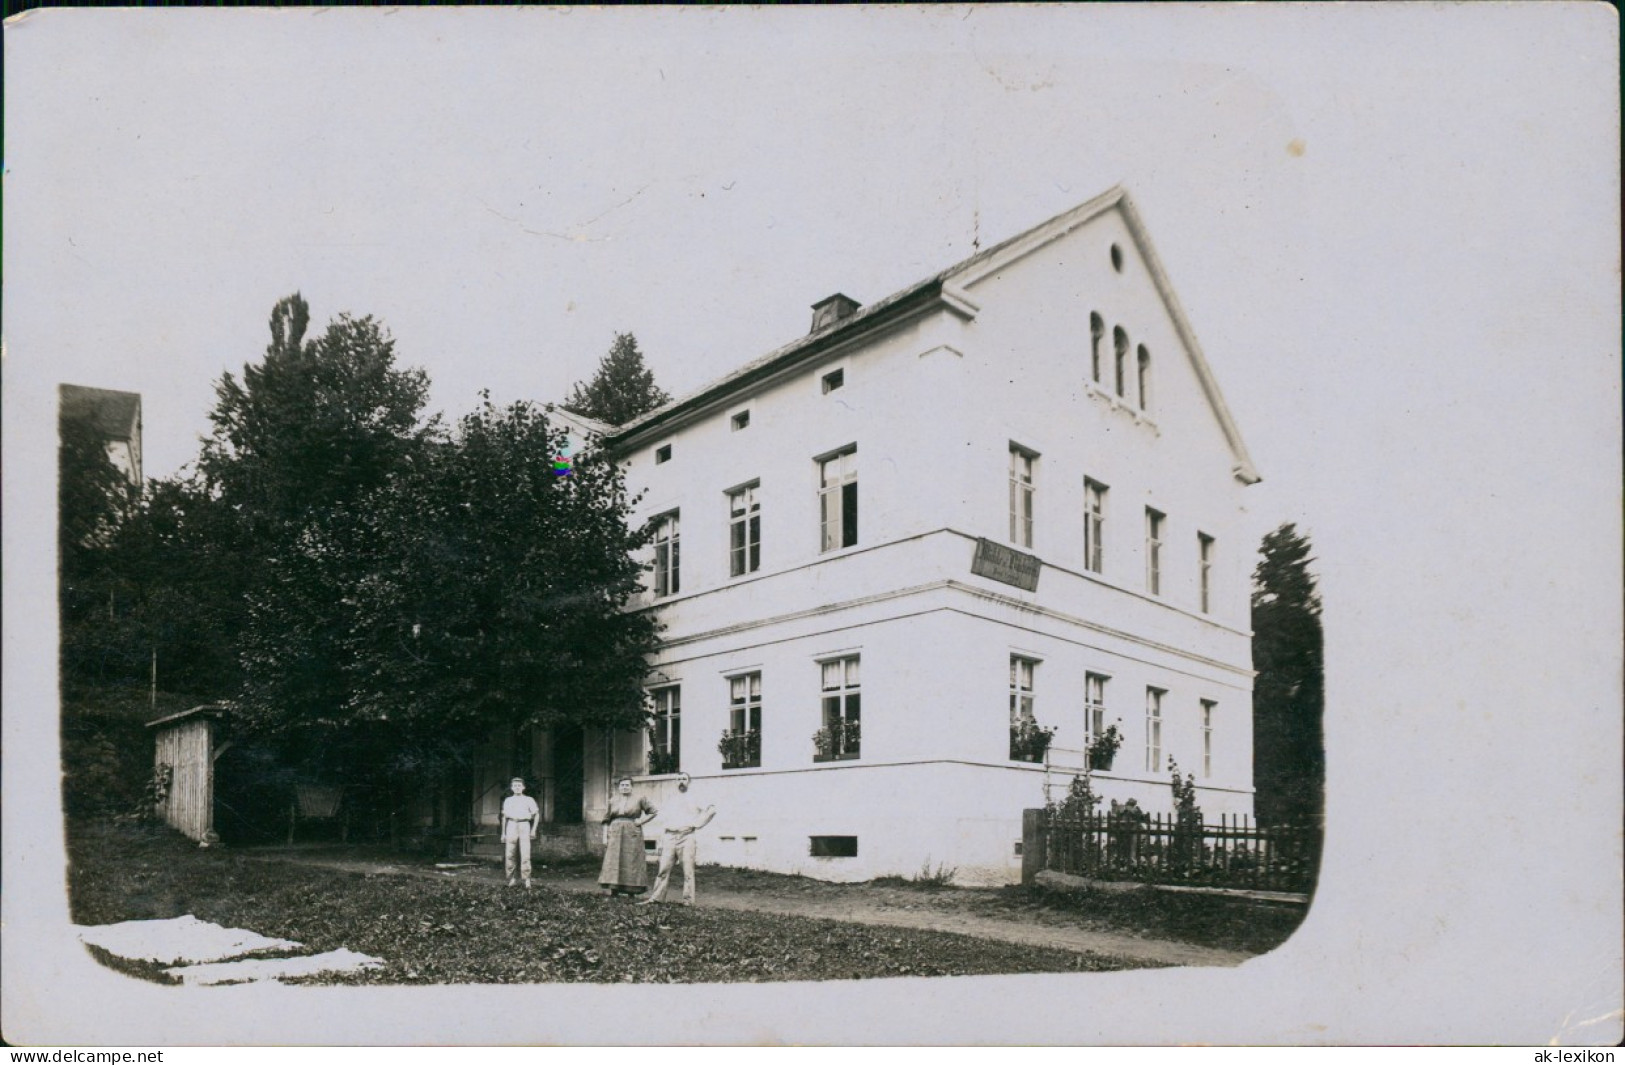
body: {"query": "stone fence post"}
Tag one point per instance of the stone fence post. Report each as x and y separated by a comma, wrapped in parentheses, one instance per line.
(1034, 844)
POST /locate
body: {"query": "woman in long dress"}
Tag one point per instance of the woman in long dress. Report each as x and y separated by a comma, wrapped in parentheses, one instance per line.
(625, 867)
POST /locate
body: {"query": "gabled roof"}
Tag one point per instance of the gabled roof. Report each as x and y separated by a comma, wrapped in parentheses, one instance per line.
(115, 415)
(590, 427)
(947, 290)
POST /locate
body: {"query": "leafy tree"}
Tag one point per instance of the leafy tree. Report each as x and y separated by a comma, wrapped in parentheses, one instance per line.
(1288, 693)
(495, 591)
(183, 586)
(300, 446)
(93, 500)
(622, 388)
(315, 423)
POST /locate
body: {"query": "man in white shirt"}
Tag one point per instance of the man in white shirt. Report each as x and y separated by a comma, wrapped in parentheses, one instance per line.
(685, 817)
(520, 821)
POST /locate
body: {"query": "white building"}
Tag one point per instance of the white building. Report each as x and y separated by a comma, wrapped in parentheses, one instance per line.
(116, 417)
(1011, 491)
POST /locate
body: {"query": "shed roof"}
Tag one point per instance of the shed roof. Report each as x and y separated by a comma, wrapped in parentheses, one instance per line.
(206, 710)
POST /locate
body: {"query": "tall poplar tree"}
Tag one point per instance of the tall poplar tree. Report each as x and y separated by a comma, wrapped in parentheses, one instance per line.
(1289, 756)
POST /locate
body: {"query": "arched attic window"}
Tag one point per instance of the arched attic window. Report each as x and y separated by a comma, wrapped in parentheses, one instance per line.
(1144, 365)
(1120, 342)
(1097, 333)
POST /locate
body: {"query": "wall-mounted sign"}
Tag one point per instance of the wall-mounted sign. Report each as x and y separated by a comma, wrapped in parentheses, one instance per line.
(1000, 563)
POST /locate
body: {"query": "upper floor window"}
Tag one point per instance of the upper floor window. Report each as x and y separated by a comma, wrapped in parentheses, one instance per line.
(1097, 333)
(833, 380)
(1204, 574)
(666, 555)
(662, 454)
(744, 532)
(838, 500)
(842, 698)
(1153, 729)
(1120, 346)
(1143, 366)
(1153, 550)
(1208, 706)
(666, 730)
(1094, 526)
(1022, 463)
(739, 421)
(742, 744)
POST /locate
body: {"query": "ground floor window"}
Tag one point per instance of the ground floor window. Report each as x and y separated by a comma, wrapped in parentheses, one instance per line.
(1153, 729)
(1208, 706)
(741, 744)
(841, 730)
(1028, 739)
(666, 732)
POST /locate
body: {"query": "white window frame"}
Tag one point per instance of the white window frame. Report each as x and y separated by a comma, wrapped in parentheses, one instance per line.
(1153, 729)
(840, 697)
(1208, 706)
(1023, 689)
(1023, 489)
(745, 701)
(837, 499)
(1204, 574)
(1094, 526)
(745, 709)
(1097, 333)
(1094, 706)
(1142, 365)
(668, 555)
(1120, 348)
(1154, 521)
(744, 530)
(666, 730)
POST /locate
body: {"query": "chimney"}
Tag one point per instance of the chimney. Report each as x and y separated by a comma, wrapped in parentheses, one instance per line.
(831, 310)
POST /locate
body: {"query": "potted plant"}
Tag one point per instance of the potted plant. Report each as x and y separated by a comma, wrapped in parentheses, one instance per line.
(741, 750)
(1029, 740)
(1103, 748)
(661, 759)
(839, 739)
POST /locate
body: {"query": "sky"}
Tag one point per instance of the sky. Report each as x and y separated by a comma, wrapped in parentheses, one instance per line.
(1394, 228)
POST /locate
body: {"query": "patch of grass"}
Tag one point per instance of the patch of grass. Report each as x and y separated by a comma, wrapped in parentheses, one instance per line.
(1205, 920)
(927, 879)
(456, 931)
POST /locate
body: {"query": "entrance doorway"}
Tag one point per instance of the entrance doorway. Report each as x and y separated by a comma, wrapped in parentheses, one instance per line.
(569, 775)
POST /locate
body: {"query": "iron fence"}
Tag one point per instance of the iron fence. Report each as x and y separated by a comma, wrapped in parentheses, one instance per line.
(1161, 849)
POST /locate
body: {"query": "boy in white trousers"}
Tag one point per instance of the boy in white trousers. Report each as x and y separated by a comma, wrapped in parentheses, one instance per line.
(520, 821)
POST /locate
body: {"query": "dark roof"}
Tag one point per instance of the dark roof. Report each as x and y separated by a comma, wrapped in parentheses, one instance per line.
(114, 414)
(946, 288)
(841, 329)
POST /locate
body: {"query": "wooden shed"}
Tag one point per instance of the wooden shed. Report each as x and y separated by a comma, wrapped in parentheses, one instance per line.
(185, 748)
